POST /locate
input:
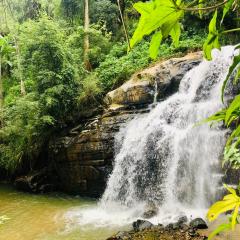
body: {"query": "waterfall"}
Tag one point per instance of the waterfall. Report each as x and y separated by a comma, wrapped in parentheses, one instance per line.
(162, 157)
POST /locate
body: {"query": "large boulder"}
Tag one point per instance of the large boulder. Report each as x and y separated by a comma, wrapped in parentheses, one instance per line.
(159, 80)
(198, 223)
(83, 157)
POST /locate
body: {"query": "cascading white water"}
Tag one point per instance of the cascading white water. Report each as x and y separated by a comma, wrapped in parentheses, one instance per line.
(163, 158)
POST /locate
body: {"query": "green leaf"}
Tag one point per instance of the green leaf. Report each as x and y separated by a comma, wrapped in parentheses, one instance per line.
(237, 76)
(221, 228)
(226, 9)
(233, 106)
(154, 44)
(212, 39)
(9, 63)
(168, 26)
(200, 5)
(229, 202)
(154, 15)
(231, 190)
(217, 117)
(144, 8)
(237, 47)
(234, 216)
(236, 62)
(235, 133)
(175, 33)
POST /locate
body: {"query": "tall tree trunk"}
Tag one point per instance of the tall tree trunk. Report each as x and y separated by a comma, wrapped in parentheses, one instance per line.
(86, 36)
(19, 66)
(1, 86)
(124, 25)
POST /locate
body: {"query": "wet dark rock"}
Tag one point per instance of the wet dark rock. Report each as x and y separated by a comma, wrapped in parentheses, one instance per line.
(176, 226)
(23, 184)
(182, 219)
(192, 233)
(184, 227)
(198, 223)
(140, 225)
(46, 188)
(160, 226)
(169, 227)
(39, 181)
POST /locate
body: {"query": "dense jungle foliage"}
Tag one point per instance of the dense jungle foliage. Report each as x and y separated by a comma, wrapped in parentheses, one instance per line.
(45, 85)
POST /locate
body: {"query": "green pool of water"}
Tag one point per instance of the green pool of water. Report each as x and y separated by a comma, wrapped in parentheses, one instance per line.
(43, 217)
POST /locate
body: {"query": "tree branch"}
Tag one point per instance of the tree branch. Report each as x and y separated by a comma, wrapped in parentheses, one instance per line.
(204, 8)
(124, 25)
(231, 30)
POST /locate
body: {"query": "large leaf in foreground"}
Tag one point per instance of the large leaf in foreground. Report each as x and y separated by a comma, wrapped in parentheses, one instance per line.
(155, 44)
(154, 15)
(212, 39)
(229, 202)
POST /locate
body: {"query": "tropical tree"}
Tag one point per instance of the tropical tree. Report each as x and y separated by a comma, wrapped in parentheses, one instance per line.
(123, 23)
(86, 37)
(71, 9)
(5, 50)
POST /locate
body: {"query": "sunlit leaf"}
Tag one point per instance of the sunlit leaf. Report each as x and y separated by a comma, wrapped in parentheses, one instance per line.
(226, 9)
(154, 45)
(200, 5)
(175, 33)
(231, 190)
(212, 39)
(154, 15)
(229, 202)
(234, 216)
(235, 133)
(221, 228)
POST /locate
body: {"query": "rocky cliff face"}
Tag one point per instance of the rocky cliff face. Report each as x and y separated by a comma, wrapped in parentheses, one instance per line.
(83, 159)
